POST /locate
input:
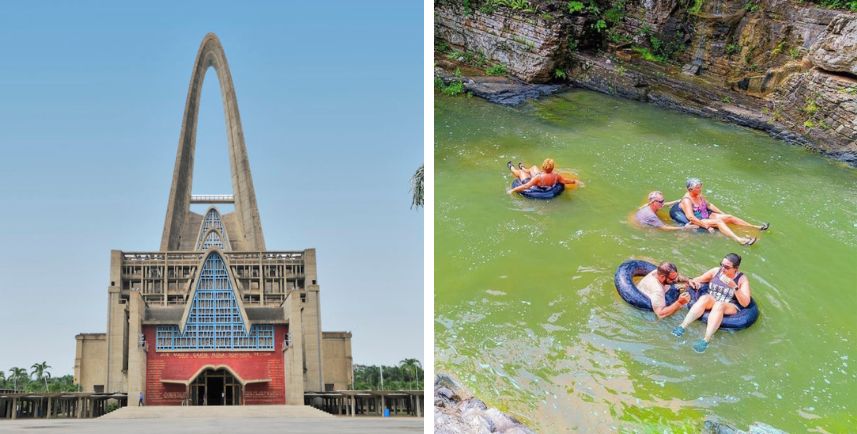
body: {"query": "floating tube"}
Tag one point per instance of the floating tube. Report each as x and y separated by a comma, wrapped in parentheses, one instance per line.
(623, 279)
(741, 320)
(677, 214)
(540, 192)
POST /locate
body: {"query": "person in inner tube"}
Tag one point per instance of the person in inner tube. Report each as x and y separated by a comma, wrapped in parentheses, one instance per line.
(705, 215)
(728, 293)
(647, 215)
(656, 284)
(545, 178)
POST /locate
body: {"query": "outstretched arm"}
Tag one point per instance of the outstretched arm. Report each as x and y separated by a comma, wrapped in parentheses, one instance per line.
(523, 187)
(567, 181)
(705, 277)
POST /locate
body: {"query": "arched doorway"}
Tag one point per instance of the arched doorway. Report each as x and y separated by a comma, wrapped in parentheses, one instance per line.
(215, 387)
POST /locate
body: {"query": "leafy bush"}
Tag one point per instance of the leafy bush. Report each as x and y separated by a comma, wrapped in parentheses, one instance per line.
(518, 5)
(794, 53)
(441, 47)
(732, 49)
(575, 7)
(850, 5)
(498, 69)
(697, 6)
(646, 54)
(559, 73)
(811, 107)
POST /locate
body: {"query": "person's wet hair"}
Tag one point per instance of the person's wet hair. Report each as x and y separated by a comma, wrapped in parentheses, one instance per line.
(666, 268)
(693, 182)
(653, 196)
(547, 165)
(734, 259)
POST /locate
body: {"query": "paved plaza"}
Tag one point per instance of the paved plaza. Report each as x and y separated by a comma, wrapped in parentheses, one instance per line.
(210, 420)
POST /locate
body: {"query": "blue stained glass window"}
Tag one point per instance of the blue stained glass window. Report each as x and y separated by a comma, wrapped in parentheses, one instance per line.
(211, 221)
(214, 321)
(212, 240)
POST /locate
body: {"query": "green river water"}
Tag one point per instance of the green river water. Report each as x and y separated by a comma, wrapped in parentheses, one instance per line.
(527, 316)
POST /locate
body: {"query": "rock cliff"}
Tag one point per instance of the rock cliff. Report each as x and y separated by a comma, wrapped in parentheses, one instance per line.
(781, 66)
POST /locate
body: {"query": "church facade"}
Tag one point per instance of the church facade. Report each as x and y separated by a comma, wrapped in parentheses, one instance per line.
(213, 317)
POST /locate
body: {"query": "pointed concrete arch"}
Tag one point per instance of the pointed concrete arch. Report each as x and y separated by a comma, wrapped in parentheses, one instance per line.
(205, 230)
(248, 225)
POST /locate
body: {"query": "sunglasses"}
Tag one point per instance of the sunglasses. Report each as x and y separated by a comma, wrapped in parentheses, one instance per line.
(659, 201)
(727, 267)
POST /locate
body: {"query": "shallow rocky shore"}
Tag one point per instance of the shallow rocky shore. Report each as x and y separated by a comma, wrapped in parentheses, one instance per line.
(501, 90)
(457, 411)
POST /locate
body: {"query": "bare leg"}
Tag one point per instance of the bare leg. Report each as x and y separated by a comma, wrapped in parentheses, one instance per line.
(704, 303)
(520, 174)
(715, 318)
(725, 229)
(731, 219)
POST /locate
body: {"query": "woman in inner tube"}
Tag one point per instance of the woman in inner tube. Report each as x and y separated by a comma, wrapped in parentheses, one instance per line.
(700, 212)
(545, 178)
(726, 286)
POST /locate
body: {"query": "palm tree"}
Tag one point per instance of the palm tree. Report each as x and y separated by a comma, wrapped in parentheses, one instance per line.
(16, 373)
(2, 380)
(417, 188)
(411, 365)
(40, 370)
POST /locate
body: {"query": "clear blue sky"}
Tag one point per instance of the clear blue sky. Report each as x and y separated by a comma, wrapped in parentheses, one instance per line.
(91, 101)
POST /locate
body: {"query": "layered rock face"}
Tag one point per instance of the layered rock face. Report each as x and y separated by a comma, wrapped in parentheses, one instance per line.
(527, 45)
(776, 65)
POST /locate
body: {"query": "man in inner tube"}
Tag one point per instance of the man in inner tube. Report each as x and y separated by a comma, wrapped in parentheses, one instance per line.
(647, 215)
(544, 178)
(656, 284)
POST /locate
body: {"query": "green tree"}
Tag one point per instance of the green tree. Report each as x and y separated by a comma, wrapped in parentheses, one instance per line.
(412, 368)
(417, 188)
(2, 380)
(17, 375)
(40, 371)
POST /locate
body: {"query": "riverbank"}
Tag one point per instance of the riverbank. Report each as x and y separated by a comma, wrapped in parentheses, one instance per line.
(786, 68)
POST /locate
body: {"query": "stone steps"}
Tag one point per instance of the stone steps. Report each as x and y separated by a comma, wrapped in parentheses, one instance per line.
(222, 412)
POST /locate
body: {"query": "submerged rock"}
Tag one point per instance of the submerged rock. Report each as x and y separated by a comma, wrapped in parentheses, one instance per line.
(713, 426)
(502, 90)
(456, 411)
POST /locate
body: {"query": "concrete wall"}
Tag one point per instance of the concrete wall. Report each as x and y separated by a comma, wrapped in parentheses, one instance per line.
(293, 360)
(336, 347)
(311, 324)
(90, 358)
(117, 328)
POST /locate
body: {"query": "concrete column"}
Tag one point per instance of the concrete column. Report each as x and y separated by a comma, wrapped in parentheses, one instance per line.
(419, 410)
(293, 356)
(136, 374)
(117, 327)
(49, 415)
(14, 408)
(353, 404)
